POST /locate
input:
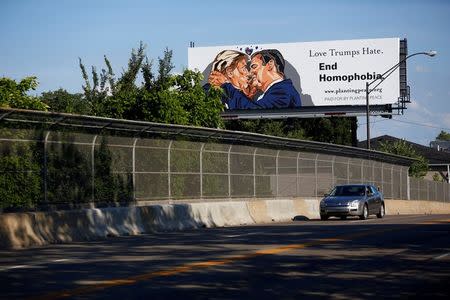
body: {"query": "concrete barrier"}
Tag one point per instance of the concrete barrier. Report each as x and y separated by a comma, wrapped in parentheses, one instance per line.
(407, 207)
(22, 230)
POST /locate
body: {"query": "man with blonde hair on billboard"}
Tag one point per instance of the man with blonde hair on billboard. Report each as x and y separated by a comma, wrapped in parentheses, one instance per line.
(229, 71)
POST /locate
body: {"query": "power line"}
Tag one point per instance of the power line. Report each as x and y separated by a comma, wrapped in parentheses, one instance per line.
(408, 122)
(421, 124)
(372, 122)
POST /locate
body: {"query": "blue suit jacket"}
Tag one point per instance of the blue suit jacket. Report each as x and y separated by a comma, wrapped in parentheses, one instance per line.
(280, 95)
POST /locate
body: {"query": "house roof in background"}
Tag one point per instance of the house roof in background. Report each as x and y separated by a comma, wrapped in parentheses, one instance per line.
(432, 155)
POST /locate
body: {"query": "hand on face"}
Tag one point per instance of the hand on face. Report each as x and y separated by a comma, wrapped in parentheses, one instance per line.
(216, 79)
(250, 91)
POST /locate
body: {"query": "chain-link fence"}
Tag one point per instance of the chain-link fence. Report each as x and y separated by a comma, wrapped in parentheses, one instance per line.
(39, 167)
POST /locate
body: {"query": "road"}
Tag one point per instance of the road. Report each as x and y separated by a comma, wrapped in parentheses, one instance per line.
(395, 257)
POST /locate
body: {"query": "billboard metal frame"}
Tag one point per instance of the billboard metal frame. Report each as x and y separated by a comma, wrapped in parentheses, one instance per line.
(310, 112)
(387, 110)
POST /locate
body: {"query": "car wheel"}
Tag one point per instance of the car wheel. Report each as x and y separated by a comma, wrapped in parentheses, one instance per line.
(365, 213)
(343, 217)
(323, 217)
(382, 212)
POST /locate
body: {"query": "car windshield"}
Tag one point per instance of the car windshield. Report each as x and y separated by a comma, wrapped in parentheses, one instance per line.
(348, 191)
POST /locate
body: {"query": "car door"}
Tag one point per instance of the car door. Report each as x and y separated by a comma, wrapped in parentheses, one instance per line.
(375, 199)
(371, 200)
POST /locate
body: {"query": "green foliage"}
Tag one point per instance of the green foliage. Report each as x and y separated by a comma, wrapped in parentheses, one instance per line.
(443, 136)
(419, 168)
(165, 98)
(329, 130)
(20, 173)
(68, 176)
(437, 177)
(19, 182)
(165, 67)
(68, 172)
(63, 101)
(14, 95)
(108, 186)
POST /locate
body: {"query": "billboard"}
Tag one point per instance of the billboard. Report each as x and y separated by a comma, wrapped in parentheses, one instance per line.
(300, 75)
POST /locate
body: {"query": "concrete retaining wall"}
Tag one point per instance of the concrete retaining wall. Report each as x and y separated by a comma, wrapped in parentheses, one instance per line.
(22, 230)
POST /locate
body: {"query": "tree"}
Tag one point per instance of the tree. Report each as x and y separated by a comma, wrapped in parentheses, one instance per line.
(63, 101)
(417, 169)
(437, 177)
(328, 130)
(165, 98)
(443, 136)
(20, 181)
(14, 95)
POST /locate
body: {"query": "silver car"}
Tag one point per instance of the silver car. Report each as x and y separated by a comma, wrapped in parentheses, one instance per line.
(359, 200)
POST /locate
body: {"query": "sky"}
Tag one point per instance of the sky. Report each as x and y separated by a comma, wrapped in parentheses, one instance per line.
(46, 38)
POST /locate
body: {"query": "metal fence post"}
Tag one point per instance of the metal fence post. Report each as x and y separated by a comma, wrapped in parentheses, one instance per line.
(229, 171)
(201, 170)
(169, 194)
(408, 188)
(277, 172)
(400, 195)
(93, 167)
(254, 172)
(392, 181)
(332, 170)
(362, 173)
(373, 171)
(348, 171)
(298, 176)
(316, 175)
(45, 167)
(448, 174)
(134, 168)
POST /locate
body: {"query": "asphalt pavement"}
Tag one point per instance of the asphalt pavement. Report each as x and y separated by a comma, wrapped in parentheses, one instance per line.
(406, 256)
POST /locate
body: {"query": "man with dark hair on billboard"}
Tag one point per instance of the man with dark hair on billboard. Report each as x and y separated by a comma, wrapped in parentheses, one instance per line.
(267, 69)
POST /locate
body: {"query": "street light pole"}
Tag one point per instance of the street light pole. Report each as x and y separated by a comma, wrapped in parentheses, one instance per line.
(382, 78)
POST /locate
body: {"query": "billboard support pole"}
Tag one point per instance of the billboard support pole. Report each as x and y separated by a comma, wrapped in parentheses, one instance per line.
(382, 78)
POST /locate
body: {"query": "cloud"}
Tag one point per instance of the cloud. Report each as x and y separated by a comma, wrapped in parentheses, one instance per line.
(446, 119)
(417, 107)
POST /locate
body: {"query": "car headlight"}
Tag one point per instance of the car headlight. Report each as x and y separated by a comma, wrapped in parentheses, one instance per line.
(354, 203)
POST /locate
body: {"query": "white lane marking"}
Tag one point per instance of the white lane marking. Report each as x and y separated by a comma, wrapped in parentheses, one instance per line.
(359, 221)
(16, 267)
(243, 234)
(442, 256)
(60, 260)
(30, 266)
